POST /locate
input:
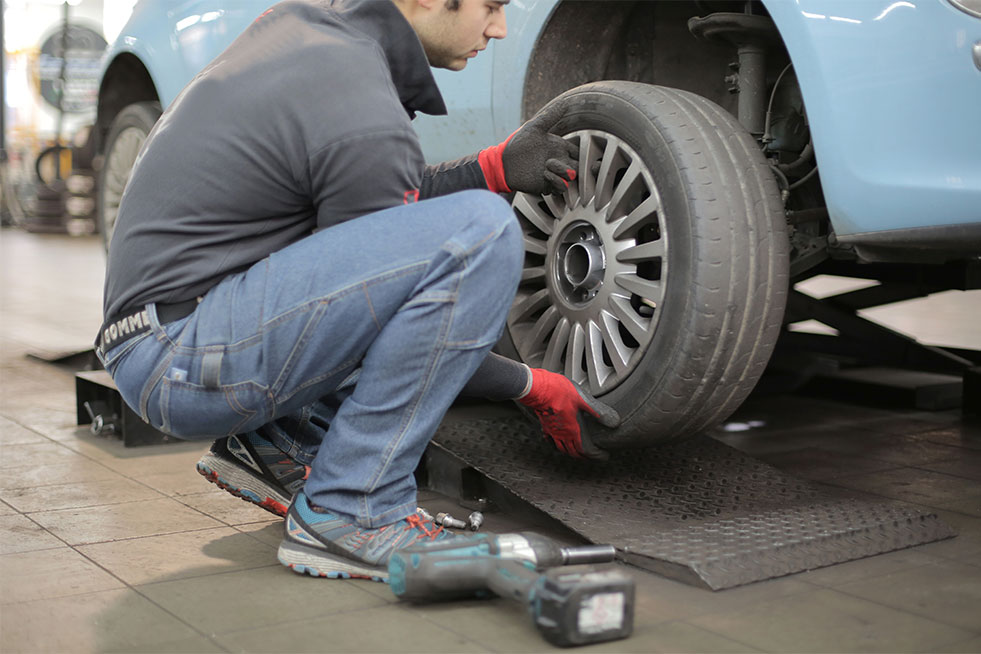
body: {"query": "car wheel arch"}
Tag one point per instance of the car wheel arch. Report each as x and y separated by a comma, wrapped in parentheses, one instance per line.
(126, 81)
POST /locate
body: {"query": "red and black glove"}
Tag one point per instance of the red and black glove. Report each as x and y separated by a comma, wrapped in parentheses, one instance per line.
(532, 160)
(560, 405)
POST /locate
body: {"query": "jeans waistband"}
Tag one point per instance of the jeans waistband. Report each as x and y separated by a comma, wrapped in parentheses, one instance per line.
(125, 326)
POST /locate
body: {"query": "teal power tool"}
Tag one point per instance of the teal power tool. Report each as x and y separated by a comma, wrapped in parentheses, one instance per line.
(572, 603)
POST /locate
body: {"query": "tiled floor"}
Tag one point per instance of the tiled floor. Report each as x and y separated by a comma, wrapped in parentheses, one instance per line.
(106, 549)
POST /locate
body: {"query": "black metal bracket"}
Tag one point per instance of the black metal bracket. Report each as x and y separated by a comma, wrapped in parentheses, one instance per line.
(867, 341)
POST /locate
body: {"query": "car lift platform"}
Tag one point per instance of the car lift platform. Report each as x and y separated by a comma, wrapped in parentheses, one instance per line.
(697, 511)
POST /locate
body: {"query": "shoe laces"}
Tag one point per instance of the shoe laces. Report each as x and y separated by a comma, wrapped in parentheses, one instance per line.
(416, 522)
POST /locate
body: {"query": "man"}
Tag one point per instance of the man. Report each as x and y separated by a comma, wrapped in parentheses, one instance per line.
(280, 279)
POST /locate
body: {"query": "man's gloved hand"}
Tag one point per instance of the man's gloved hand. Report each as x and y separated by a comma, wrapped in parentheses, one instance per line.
(559, 405)
(532, 160)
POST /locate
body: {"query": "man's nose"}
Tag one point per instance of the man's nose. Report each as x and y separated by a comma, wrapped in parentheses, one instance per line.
(498, 27)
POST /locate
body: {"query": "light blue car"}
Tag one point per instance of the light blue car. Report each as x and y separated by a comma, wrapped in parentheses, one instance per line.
(728, 148)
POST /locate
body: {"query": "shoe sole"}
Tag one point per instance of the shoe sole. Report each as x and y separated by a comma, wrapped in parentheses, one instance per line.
(241, 484)
(317, 563)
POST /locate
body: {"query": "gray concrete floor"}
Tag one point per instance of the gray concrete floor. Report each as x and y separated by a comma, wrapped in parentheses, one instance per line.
(104, 548)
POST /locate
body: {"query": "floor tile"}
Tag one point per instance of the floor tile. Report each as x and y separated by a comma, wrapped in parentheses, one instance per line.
(892, 448)
(913, 485)
(227, 508)
(194, 645)
(819, 464)
(965, 547)
(48, 416)
(47, 574)
(945, 591)
(105, 523)
(970, 506)
(135, 462)
(77, 495)
(830, 621)
(19, 533)
(12, 433)
(263, 597)
(186, 481)
(34, 455)
(663, 599)
(72, 470)
(671, 637)
(972, 646)
(383, 629)
(180, 555)
(270, 533)
(965, 464)
(874, 566)
(95, 622)
(962, 435)
(6, 509)
(497, 624)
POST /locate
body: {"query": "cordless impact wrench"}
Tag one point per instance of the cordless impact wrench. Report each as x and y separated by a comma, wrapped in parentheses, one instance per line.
(575, 605)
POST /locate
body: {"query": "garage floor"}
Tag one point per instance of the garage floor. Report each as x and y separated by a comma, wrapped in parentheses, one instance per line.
(112, 549)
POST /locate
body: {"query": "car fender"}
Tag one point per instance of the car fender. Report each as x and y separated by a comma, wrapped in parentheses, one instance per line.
(892, 98)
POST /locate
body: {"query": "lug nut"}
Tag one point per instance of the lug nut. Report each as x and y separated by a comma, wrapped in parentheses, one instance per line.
(446, 520)
(475, 520)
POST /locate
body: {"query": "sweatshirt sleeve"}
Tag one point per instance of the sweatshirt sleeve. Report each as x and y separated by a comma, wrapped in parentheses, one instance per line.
(452, 176)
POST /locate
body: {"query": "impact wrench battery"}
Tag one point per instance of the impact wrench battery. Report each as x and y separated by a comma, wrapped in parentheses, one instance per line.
(574, 605)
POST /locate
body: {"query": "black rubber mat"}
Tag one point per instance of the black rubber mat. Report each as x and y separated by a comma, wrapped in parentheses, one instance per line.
(698, 511)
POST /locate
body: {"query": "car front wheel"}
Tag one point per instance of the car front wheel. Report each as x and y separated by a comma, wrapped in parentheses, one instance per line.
(658, 279)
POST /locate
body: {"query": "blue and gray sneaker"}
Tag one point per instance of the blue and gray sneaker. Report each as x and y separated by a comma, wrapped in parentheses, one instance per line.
(252, 468)
(324, 544)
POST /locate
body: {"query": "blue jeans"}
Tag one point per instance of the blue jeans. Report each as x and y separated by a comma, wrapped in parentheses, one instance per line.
(345, 348)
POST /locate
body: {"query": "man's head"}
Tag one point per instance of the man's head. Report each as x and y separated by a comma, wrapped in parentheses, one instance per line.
(453, 31)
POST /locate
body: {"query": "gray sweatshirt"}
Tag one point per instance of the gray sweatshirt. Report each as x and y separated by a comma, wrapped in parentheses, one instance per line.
(302, 123)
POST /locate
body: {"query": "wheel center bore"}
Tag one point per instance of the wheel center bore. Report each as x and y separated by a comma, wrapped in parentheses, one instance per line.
(580, 263)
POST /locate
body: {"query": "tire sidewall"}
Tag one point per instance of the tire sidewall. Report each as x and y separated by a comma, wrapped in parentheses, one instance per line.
(140, 115)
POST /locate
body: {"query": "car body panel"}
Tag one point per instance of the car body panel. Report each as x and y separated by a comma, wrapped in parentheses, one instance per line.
(891, 90)
(894, 103)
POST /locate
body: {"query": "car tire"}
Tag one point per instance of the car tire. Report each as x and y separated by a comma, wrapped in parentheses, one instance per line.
(658, 280)
(127, 134)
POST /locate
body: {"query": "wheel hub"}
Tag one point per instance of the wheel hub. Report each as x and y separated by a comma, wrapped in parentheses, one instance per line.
(579, 263)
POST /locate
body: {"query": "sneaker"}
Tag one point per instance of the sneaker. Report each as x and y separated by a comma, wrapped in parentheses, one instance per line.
(323, 544)
(255, 470)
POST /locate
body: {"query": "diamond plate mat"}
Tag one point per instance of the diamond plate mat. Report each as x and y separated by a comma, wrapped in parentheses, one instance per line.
(697, 511)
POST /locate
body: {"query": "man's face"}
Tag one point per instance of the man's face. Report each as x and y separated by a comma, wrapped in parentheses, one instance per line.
(450, 37)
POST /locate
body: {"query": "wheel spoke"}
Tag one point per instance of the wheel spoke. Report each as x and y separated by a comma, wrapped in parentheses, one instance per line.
(530, 210)
(645, 288)
(615, 347)
(626, 182)
(638, 215)
(552, 202)
(637, 325)
(573, 354)
(642, 252)
(604, 178)
(535, 246)
(596, 369)
(587, 155)
(557, 345)
(526, 307)
(544, 325)
(532, 274)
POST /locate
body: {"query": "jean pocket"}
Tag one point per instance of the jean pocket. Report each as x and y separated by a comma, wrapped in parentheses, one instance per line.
(193, 411)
